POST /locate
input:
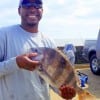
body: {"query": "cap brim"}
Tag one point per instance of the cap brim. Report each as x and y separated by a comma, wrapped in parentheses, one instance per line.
(31, 4)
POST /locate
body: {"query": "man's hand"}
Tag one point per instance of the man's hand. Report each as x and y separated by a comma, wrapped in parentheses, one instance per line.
(67, 92)
(24, 61)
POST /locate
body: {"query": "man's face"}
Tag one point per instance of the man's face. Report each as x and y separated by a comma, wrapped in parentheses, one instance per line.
(30, 15)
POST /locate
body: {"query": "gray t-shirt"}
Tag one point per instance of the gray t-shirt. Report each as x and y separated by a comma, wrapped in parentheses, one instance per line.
(16, 83)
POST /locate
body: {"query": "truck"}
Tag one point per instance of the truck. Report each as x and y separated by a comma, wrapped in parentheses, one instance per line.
(89, 53)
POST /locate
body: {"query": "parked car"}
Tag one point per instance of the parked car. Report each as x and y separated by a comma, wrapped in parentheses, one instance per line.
(98, 52)
(90, 54)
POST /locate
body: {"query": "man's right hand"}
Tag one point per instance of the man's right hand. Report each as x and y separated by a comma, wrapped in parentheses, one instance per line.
(25, 62)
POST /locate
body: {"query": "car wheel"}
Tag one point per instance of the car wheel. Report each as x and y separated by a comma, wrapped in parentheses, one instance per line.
(94, 65)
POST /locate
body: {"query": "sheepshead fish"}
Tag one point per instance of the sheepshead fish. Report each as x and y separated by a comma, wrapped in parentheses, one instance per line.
(57, 71)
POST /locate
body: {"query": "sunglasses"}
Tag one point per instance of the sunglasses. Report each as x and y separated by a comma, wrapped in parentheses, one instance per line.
(28, 5)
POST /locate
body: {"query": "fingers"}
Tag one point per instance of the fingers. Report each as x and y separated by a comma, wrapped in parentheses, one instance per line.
(31, 58)
(25, 62)
(31, 65)
(30, 55)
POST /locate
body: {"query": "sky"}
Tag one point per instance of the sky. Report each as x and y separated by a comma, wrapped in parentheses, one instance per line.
(62, 19)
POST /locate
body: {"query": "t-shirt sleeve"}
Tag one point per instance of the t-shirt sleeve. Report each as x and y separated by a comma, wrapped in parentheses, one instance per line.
(6, 66)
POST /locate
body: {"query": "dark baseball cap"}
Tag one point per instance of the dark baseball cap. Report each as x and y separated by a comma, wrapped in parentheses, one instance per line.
(28, 3)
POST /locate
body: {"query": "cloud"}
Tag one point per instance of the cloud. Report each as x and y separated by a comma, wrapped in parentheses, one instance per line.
(61, 2)
(60, 16)
(85, 8)
(9, 16)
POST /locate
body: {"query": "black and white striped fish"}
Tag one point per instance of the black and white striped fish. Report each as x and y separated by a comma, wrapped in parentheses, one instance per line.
(57, 71)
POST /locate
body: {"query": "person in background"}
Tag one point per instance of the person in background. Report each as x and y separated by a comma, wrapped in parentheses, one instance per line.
(70, 51)
(18, 78)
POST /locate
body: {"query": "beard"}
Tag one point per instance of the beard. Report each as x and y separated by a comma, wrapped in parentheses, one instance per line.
(31, 24)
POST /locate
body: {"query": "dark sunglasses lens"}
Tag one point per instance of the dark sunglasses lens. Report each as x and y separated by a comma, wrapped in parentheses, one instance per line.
(38, 6)
(32, 5)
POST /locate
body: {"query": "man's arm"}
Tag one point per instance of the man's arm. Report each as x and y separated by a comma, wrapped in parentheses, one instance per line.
(20, 62)
(8, 66)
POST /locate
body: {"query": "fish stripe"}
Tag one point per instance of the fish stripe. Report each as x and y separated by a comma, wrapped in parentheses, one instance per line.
(69, 78)
(60, 68)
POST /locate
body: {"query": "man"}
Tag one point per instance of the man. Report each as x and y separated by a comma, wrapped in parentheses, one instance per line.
(18, 78)
(70, 51)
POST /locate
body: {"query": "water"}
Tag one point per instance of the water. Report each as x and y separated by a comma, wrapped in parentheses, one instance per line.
(75, 42)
